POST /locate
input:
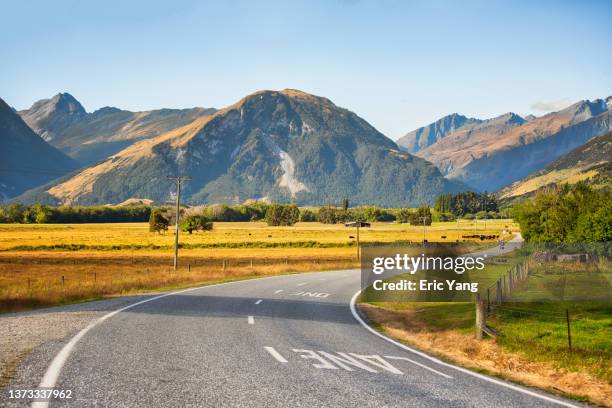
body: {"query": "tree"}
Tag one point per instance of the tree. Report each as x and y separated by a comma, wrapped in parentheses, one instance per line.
(573, 213)
(345, 203)
(403, 215)
(421, 216)
(157, 221)
(14, 213)
(192, 223)
(282, 214)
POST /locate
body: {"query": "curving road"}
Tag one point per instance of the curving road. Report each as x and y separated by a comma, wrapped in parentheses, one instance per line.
(285, 341)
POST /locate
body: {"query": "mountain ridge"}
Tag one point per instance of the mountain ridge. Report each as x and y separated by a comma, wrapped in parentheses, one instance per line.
(589, 163)
(91, 137)
(499, 151)
(284, 146)
(26, 160)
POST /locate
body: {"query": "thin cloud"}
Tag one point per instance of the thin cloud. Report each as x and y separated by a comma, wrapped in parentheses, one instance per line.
(550, 106)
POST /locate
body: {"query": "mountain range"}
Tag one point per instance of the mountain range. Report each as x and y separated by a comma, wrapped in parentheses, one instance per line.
(286, 146)
(490, 154)
(26, 160)
(90, 137)
(589, 163)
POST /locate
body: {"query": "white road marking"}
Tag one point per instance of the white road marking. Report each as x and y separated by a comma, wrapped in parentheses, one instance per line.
(251, 320)
(278, 291)
(275, 354)
(302, 284)
(463, 370)
(258, 302)
(311, 294)
(323, 279)
(322, 363)
(345, 361)
(378, 361)
(420, 365)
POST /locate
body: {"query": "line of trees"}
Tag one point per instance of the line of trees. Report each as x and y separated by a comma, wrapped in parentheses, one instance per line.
(45, 214)
(468, 202)
(566, 214)
(274, 214)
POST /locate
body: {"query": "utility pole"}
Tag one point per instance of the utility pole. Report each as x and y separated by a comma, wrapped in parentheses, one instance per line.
(178, 180)
(424, 219)
(485, 206)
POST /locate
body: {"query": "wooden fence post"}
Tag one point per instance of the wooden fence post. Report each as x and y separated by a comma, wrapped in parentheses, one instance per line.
(498, 290)
(480, 317)
(569, 333)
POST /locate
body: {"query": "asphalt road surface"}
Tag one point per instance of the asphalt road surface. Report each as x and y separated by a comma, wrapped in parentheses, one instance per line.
(285, 341)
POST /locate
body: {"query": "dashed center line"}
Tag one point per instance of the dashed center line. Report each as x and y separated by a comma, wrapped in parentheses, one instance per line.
(251, 320)
(278, 291)
(258, 302)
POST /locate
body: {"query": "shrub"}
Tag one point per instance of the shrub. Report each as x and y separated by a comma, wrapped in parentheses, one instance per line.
(282, 214)
(157, 221)
(403, 215)
(308, 215)
(192, 223)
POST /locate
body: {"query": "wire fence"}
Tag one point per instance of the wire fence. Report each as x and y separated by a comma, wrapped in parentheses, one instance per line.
(552, 322)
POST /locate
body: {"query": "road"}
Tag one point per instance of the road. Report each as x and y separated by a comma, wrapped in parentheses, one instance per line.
(285, 341)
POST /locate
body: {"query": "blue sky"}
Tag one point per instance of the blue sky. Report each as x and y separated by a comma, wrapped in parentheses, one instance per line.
(398, 64)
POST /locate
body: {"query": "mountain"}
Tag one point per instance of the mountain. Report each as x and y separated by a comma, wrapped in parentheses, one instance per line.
(286, 146)
(497, 152)
(51, 117)
(91, 137)
(425, 136)
(589, 163)
(26, 160)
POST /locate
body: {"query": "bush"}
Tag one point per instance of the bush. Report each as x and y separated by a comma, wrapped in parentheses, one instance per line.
(403, 215)
(444, 217)
(421, 216)
(192, 223)
(468, 216)
(157, 221)
(282, 214)
(308, 216)
(481, 215)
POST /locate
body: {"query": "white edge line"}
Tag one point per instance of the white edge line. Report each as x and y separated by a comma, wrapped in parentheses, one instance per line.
(278, 291)
(57, 364)
(251, 320)
(419, 364)
(463, 370)
(275, 354)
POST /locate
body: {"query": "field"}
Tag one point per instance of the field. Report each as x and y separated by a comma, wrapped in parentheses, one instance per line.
(49, 264)
(229, 234)
(533, 345)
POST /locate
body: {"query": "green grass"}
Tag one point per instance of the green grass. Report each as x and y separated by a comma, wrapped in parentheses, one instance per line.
(533, 321)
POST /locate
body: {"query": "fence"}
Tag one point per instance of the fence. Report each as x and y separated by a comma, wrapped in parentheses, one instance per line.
(496, 305)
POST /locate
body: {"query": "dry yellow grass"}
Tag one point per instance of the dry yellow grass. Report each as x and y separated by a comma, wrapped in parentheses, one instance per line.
(465, 350)
(16, 235)
(34, 279)
(32, 276)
